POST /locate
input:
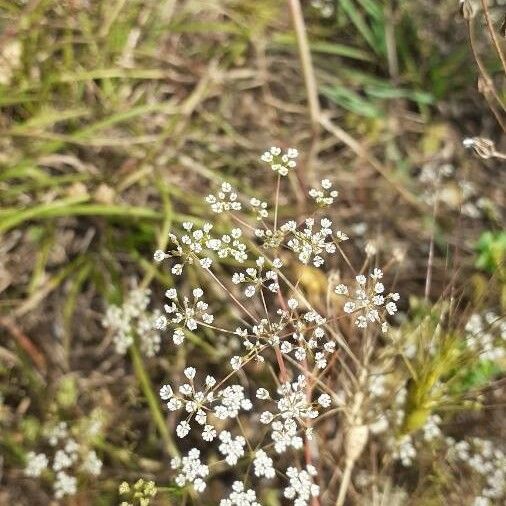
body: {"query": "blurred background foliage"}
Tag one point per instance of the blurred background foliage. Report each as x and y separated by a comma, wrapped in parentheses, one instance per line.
(117, 117)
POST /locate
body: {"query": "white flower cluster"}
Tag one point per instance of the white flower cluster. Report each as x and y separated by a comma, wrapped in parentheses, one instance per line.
(280, 162)
(69, 456)
(308, 243)
(191, 470)
(486, 459)
(132, 319)
(260, 208)
(194, 247)
(431, 430)
(64, 485)
(231, 448)
(325, 195)
(36, 463)
(301, 487)
(263, 465)
(307, 338)
(442, 177)
(368, 302)
(240, 496)
(486, 334)
(382, 419)
(292, 408)
(255, 278)
(184, 314)
(223, 404)
(405, 450)
(225, 200)
(264, 334)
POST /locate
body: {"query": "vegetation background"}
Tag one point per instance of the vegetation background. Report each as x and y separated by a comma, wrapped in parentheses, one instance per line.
(118, 117)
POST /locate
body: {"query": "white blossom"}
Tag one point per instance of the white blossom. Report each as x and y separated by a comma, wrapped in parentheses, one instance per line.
(64, 485)
(191, 470)
(263, 465)
(240, 496)
(279, 162)
(35, 464)
(301, 488)
(231, 448)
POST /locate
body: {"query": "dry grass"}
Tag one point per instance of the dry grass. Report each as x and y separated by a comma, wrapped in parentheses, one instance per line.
(118, 117)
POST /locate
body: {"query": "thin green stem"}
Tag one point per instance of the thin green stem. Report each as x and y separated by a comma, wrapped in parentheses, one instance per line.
(152, 399)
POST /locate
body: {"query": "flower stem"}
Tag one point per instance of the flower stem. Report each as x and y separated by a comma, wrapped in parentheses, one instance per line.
(151, 398)
(345, 482)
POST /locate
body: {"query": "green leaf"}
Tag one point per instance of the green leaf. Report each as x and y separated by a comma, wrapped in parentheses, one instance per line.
(352, 101)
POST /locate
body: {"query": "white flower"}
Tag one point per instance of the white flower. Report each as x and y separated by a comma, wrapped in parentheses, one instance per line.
(182, 429)
(64, 485)
(235, 362)
(285, 435)
(249, 291)
(431, 428)
(405, 451)
(57, 433)
(341, 289)
(188, 313)
(210, 381)
(292, 303)
(231, 448)
(391, 308)
(35, 464)
(232, 399)
(190, 372)
(160, 323)
(278, 263)
(369, 302)
(171, 293)
(280, 163)
(92, 464)
(309, 243)
(324, 400)
(191, 470)
(377, 274)
(178, 337)
(132, 318)
(240, 496)
(159, 255)
(177, 269)
(324, 196)
(62, 460)
(166, 392)
(379, 287)
(301, 486)
(209, 433)
(263, 394)
(349, 307)
(225, 200)
(206, 262)
(263, 465)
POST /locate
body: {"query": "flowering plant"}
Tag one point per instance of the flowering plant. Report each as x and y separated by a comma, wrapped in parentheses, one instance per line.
(290, 352)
